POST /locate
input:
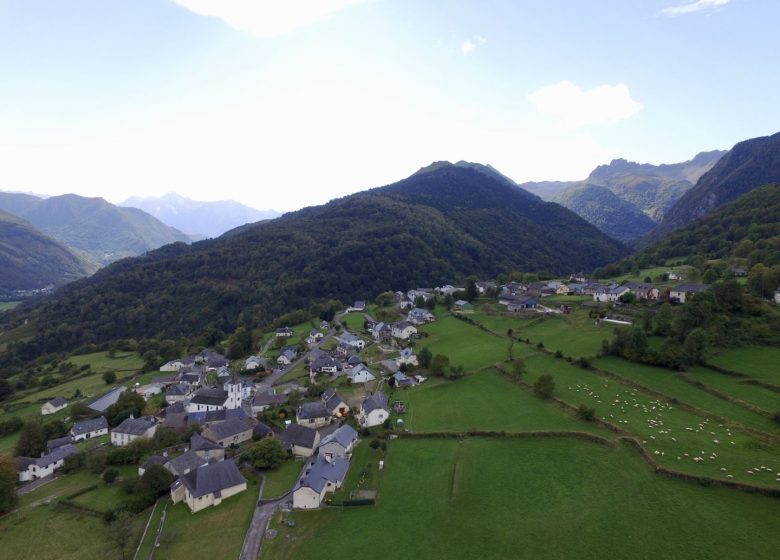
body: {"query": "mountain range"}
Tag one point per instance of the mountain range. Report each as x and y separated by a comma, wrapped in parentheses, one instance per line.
(199, 219)
(438, 226)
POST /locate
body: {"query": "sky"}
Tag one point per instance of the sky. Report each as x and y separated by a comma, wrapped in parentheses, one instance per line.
(288, 103)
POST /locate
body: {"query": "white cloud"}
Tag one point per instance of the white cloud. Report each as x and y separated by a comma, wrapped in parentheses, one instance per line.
(469, 46)
(267, 18)
(695, 6)
(574, 107)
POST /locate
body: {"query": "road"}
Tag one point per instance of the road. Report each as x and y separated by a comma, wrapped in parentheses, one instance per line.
(35, 484)
(263, 513)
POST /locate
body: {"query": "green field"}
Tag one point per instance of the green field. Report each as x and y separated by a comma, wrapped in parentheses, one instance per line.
(483, 401)
(674, 437)
(354, 321)
(215, 532)
(463, 344)
(280, 480)
(6, 305)
(761, 362)
(485, 498)
(735, 387)
(672, 385)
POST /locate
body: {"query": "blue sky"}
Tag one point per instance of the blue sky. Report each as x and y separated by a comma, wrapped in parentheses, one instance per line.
(285, 103)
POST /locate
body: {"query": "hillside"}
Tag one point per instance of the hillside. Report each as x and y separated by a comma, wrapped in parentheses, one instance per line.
(748, 165)
(93, 227)
(198, 218)
(30, 260)
(608, 212)
(747, 228)
(547, 189)
(432, 228)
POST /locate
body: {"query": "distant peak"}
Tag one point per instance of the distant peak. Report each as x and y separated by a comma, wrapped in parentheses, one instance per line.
(435, 166)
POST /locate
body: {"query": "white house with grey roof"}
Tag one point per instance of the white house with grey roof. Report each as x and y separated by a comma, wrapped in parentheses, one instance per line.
(339, 443)
(373, 410)
(208, 485)
(300, 440)
(403, 330)
(227, 433)
(685, 291)
(133, 428)
(185, 463)
(33, 468)
(313, 415)
(208, 450)
(361, 374)
(88, 429)
(53, 406)
(323, 477)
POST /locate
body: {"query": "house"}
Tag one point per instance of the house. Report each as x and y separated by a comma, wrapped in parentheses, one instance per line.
(381, 332)
(300, 440)
(324, 476)
(54, 405)
(562, 290)
(212, 360)
(412, 295)
(177, 393)
(177, 364)
(344, 350)
(352, 340)
(335, 403)
(373, 410)
(314, 336)
(339, 443)
(261, 431)
(517, 303)
(284, 332)
(245, 388)
(174, 416)
(213, 398)
(184, 463)
(192, 377)
(354, 360)
(208, 485)
(53, 444)
(610, 293)
(39, 467)
(419, 316)
(738, 271)
(133, 428)
(155, 459)
(359, 306)
(403, 330)
(264, 401)
(148, 391)
(672, 275)
(325, 364)
(463, 306)
(102, 403)
(361, 374)
(684, 291)
(206, 449)
(483, 286)
(644, 291)
(512, 288)
(407, 357)
(229, 432)
(401, 380)
(88, 429)
(287, 355)
(257, 362)
(313, 414)
(449, 290)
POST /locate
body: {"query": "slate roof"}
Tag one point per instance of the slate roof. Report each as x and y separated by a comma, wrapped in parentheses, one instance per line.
(355, 360)
(210, 396)
(261, 430)
(324, 471)
(58, 402)
(102, 403)
(325, 361)
(154, 460)
(332, 400)
(295, 434)
(311, 410)
(187, 462)
(374, 402)
(135, 426)
(691, 288)
(226, 429)
(345, 436)
(53, 444)
(211, 478)
(49, 459)
(268, 399)
(178, 390)
(199, 443)
(87, 426)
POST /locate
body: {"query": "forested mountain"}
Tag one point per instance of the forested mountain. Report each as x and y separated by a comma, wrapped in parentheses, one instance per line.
(748, 165)
(608, 212)
(547, 189)
(197, 218)
(747, 228)
(29, 259)
(435, 227)
(96, 229)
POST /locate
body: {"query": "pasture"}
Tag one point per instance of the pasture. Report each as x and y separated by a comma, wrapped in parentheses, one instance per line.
(497, 499)
(464, 344)
(737, 388)
(354, 321)
(280, 480)
(760, 362)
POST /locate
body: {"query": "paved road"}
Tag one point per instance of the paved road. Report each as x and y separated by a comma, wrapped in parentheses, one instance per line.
(254, 535)
(27, 488)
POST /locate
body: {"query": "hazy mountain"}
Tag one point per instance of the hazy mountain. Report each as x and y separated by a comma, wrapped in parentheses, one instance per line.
(434, 227)
(547, 189)
(748, 165)
(607, 211)
(29, 259)
(206, 219)
(91, 226)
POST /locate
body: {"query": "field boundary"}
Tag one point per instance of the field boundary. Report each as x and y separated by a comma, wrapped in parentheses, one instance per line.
(723, 396)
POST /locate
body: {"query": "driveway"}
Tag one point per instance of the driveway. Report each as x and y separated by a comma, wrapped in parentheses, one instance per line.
(263, 513)
(35, 484)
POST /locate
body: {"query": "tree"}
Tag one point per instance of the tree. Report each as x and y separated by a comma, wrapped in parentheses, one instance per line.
(128, 403)
(110, 475)
(32, 440)
(267, 454)
(122, 530)
(544, 386)
(518, 368)
(8, 478)
(239, 343)
(158, 479)
(471, 290)
(663, 320)
(109, 377)
(696, 345)
(385, 299)
(439, 364)
(424, 358)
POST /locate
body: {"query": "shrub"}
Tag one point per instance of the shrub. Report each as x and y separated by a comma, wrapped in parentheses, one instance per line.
(587, 413)
(544, 386)
(110, 475)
